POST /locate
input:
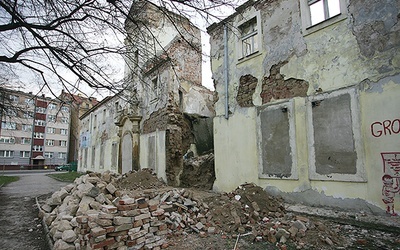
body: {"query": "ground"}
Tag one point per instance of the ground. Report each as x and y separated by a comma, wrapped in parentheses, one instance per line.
(21, 229)
(271, 214)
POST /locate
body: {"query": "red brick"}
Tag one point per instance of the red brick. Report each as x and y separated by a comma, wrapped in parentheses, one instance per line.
(126, 207)
(107, 242)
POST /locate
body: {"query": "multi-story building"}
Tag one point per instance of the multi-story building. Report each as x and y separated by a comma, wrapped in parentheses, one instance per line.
(309, 100)
(34, 130)
(156, 117)
(79, 105)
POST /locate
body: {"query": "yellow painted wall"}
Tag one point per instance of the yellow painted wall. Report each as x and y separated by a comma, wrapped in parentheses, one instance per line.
(329, 60)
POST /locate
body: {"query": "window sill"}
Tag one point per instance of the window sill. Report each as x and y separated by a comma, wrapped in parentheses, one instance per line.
(249, 57)
(330, 21)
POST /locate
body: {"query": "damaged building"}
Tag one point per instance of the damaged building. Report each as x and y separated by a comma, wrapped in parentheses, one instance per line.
(164, 115)
(308, 96)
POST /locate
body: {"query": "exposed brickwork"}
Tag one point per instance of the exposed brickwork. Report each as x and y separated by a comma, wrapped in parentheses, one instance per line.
(178, 137)
(247, 86)
(275, 87)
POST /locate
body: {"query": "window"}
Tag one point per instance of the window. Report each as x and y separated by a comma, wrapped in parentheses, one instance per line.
(64, 119)
(11, 112)
(63, 143)
(62, 155)
(41, 110)
(64, 109)
(38, 135)
(26, 127)
(40, 123)
(249, 37)
(25, 154)
(52, 106)
(37, 148)
(51, 118)
(7, 139)
(48, 155)
(318, 14)
(64, 131)
(14, 98)
(9, 125)
(49, 142)
(29, 101)
(94, 121)
(51, 130)
(28, 114)
(104, 115)
(25, 140)
(6, 153)
(321, 10)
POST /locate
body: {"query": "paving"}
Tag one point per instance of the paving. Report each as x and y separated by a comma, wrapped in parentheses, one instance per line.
(20, 227)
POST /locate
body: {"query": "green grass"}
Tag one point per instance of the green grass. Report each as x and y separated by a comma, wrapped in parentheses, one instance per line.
(66, 177)
(7, 179)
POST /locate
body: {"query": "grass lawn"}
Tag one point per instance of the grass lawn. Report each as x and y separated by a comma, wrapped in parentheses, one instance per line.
(66, 177)
(7, 179)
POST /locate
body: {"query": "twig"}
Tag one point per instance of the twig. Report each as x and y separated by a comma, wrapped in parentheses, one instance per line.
(237, 240)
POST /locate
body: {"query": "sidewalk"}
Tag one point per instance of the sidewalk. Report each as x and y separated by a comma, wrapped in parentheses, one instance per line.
(20, 227)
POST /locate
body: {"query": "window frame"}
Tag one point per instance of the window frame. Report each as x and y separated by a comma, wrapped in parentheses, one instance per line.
(7, 140)
(9, 125)
(62, 155)
(27, 127)
(360, 175)
(255, 15)
(6, 154)
(48, 155)
(26, 140)
(63, 133)
(289, 106)
(37, 148)
(49, 142)
(24, 154)
(305, 14)
(52, 106)
(63, 143)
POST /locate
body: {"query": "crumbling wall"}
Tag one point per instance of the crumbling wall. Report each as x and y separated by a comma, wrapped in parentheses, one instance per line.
(198, 172)
(247, 86)
(177, 141)
(375, 25)
(275, 87)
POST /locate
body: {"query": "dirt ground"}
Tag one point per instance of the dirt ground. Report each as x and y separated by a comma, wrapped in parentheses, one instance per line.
(258, 217)
(20, 227)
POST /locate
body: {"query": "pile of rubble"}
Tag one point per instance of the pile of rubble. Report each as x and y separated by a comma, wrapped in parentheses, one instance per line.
(92, 213)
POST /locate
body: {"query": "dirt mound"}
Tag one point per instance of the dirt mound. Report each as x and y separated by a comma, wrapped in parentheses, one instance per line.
(143, 179)
(198, 172)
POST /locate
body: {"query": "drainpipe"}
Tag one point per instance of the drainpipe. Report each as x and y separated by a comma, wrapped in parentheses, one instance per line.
(226, 71)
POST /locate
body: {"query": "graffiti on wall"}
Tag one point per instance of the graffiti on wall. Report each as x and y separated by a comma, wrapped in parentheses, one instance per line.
(390, 180)
(387, 127)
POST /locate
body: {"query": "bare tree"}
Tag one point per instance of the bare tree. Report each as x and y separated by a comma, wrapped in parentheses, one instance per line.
(70, 42)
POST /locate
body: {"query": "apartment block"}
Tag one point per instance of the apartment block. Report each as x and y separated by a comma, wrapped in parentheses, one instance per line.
(34, 131)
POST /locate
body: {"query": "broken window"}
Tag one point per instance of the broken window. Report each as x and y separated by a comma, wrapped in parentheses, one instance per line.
(334, 139)
(321, 10)
(249, 37)
(276, 141)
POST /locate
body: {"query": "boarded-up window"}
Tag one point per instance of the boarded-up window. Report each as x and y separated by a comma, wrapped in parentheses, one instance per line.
(275, 144)
(333, 136)
(335, 149)
(152, 152)
(114, 154)
(102, 148)
(93, 156)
